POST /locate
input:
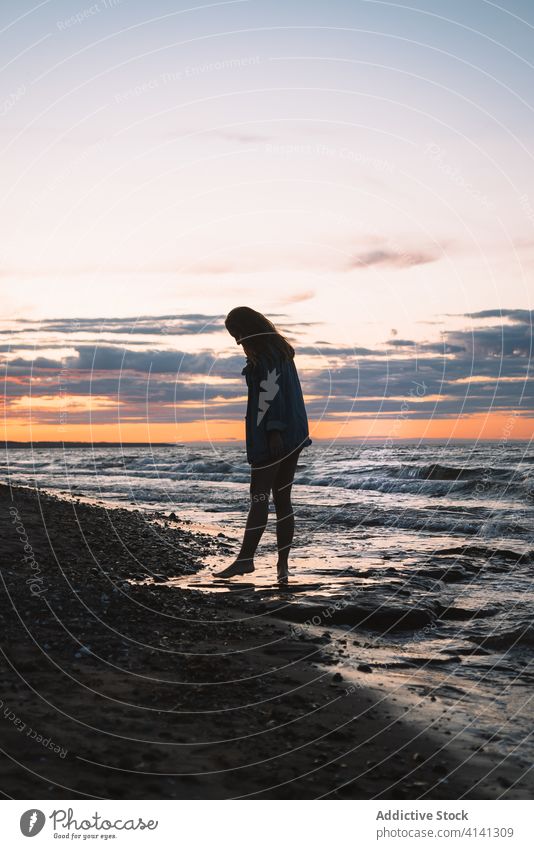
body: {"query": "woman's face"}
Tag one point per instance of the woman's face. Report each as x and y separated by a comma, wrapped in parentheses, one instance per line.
(235, 333)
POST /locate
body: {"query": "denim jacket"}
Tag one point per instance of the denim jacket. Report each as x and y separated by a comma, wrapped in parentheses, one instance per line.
(275, 402)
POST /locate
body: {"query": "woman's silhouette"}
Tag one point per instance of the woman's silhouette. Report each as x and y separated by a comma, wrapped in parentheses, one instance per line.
(276, 432)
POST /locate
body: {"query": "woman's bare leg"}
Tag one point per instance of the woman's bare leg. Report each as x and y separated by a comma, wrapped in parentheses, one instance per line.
(261, 482)
(285, 518)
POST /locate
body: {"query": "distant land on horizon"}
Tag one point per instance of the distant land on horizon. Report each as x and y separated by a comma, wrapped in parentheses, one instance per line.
(9, 443)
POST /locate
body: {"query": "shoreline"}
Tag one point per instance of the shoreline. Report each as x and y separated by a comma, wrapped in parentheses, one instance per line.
(160, 692)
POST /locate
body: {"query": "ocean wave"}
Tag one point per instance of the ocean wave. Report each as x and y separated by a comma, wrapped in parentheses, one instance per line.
(426, 521)
(435, 487)
(348, 470)
(437, 472)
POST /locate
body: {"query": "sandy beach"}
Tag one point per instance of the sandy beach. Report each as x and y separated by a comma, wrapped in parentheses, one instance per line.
(115, 684)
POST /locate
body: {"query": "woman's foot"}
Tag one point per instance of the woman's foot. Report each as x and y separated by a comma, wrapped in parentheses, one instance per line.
(282, 574)
(238, 567)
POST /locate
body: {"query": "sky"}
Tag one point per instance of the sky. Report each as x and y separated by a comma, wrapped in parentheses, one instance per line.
(361, 172)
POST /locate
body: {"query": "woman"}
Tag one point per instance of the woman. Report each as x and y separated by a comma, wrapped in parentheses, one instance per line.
(276, 432)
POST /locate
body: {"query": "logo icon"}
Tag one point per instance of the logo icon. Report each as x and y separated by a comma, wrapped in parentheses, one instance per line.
(269, 391)
(31, 822)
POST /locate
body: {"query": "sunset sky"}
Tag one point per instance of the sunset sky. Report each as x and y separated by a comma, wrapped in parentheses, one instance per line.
(359, 170)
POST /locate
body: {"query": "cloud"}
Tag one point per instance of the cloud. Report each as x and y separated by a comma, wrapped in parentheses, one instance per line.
(178, 325)
(299, 296)
(323, 349)
(109, 358)
(402, 343)
(391, 258)
(471, 370)
(498, 342)
(428, 386)
(522, 316)
(467, 371)
(186, 324)
(98, 358)
(442, 347)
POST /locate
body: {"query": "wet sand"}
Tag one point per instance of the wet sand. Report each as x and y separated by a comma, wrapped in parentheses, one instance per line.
(117, 684)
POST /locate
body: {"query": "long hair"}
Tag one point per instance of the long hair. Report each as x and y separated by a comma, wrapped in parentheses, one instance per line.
(257, 334)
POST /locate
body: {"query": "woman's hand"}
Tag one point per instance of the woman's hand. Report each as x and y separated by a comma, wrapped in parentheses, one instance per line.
(276, 445)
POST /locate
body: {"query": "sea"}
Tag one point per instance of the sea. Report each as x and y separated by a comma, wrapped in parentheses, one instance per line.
(442, 531)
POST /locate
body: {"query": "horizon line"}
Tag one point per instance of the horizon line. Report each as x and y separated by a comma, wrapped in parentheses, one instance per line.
(11, 443)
